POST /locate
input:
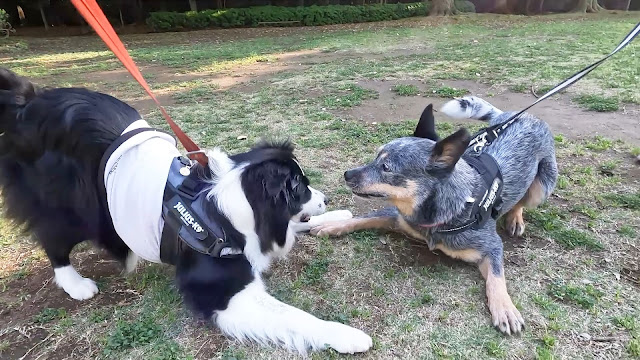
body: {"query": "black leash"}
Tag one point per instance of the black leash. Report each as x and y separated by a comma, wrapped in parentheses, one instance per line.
(490, 134)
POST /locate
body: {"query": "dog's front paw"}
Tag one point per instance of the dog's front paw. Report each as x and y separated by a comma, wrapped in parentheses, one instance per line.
(330, 228)
(78, 287)
(330, 216)
(506, 317)
(82, 290)
(515, 223)
(347, 340)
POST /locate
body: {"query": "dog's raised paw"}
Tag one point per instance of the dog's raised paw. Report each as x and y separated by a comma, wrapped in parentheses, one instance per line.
(347, 340)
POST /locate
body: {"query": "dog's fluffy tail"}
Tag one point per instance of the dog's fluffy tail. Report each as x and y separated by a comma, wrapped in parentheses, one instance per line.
(15, 92)
(471, 107)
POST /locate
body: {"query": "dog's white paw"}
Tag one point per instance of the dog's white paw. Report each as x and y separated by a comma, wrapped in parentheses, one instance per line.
(83, 290)
(78, 287)
(347, 340)
(336, 215)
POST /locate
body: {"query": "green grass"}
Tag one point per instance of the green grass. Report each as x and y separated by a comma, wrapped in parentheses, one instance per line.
(49, 314)
(548, 341)
(424, 298)
(598, 103)
(551, 222)
(406, 90)
(635, 151)
(4, 346)
(600, 143)
(633, 348)
(449, 92)
(627, 322)
(627, 231)
(628, 201)
(349, 95)
(586, 296)
(128, 334)
(495, 350)
(572, 238)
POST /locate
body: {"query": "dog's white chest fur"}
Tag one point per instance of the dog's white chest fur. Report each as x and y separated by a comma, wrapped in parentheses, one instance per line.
(135, 178)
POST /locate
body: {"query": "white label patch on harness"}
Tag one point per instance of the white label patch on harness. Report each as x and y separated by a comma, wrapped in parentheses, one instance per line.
(491, 198)
(187, 218)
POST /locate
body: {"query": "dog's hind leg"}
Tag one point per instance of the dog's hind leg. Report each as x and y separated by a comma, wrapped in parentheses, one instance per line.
(504, 315)
(253, 314)
(539, 190)
(381, 219)
(110, 241)
(58, 245)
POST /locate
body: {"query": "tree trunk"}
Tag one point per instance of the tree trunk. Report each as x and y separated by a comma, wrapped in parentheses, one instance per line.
(584, 6)
(121, 18)
(300, 2)
(442, 7)
(537, 7)
(502, 7)
(44, 17)
(193, 4)
(626, 8)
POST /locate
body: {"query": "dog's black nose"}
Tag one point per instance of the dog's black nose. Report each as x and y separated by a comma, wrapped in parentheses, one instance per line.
(326, 200)
(349, 175)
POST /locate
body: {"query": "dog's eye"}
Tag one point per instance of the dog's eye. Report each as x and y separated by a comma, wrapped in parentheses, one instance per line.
(385, 167)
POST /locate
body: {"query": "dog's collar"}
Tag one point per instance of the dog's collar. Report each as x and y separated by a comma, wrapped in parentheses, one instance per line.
(484, 207)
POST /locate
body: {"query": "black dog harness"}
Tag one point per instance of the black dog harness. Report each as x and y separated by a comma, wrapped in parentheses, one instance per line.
(183, 209)
(489, 204)
(184, 221)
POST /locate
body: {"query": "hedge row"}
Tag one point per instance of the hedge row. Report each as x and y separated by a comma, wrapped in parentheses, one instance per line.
(276, 15)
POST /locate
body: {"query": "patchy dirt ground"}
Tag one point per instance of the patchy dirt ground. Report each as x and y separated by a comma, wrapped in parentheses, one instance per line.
(338, 93)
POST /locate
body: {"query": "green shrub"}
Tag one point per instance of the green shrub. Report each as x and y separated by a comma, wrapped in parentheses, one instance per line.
(307, 16)
(4, 17)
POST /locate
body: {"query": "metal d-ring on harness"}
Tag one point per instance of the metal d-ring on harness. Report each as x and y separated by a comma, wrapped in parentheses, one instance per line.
(489, 204)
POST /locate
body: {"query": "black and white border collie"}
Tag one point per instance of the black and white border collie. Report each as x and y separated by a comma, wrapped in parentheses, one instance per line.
(50, 149)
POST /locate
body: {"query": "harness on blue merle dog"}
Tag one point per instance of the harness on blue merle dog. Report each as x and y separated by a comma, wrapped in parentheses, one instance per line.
(489, 204)
(183, 209)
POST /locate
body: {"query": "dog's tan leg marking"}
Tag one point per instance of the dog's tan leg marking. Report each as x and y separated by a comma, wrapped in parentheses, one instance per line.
(534, 197)
(468, 255)
(504, 315)
(514, 220)
(408, 230)
(337, 228)
(402, 197)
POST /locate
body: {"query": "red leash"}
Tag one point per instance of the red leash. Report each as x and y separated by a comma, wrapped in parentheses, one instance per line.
(92, 13)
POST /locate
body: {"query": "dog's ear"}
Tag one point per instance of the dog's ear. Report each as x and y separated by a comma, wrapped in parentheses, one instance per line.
(21, 88)
(448, 151)
(426, 128)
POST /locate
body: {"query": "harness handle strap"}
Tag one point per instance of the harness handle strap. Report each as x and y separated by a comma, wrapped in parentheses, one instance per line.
(91, 12)
(480, 140)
